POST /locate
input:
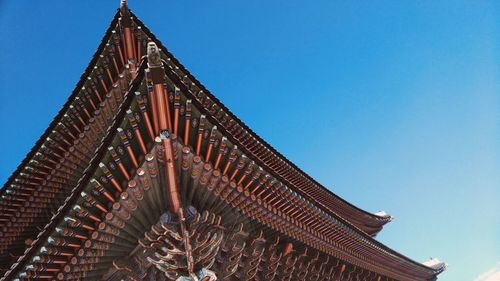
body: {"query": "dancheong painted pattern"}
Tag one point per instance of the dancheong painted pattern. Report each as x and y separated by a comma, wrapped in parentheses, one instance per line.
(145, 175)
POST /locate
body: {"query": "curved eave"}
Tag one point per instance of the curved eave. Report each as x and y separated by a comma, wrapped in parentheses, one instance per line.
(7, 254)
(366, 225)
(83, 78)
(333, 204)
(374, 220)
(402, 261)
(72, 199)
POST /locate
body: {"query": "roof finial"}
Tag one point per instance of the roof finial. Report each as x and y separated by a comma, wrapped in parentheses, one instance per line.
(124, 11)
(123, 4)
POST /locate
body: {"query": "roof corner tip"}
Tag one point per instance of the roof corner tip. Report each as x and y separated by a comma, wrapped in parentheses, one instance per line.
(384, 215)
(436, 264)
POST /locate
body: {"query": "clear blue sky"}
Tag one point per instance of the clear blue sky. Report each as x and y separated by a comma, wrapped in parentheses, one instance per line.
(393, 105)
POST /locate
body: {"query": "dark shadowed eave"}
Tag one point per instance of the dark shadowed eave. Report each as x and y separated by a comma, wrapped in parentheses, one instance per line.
(10, 213)
(84, 180)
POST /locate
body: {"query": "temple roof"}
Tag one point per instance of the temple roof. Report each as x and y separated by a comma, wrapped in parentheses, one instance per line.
(116, 84)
